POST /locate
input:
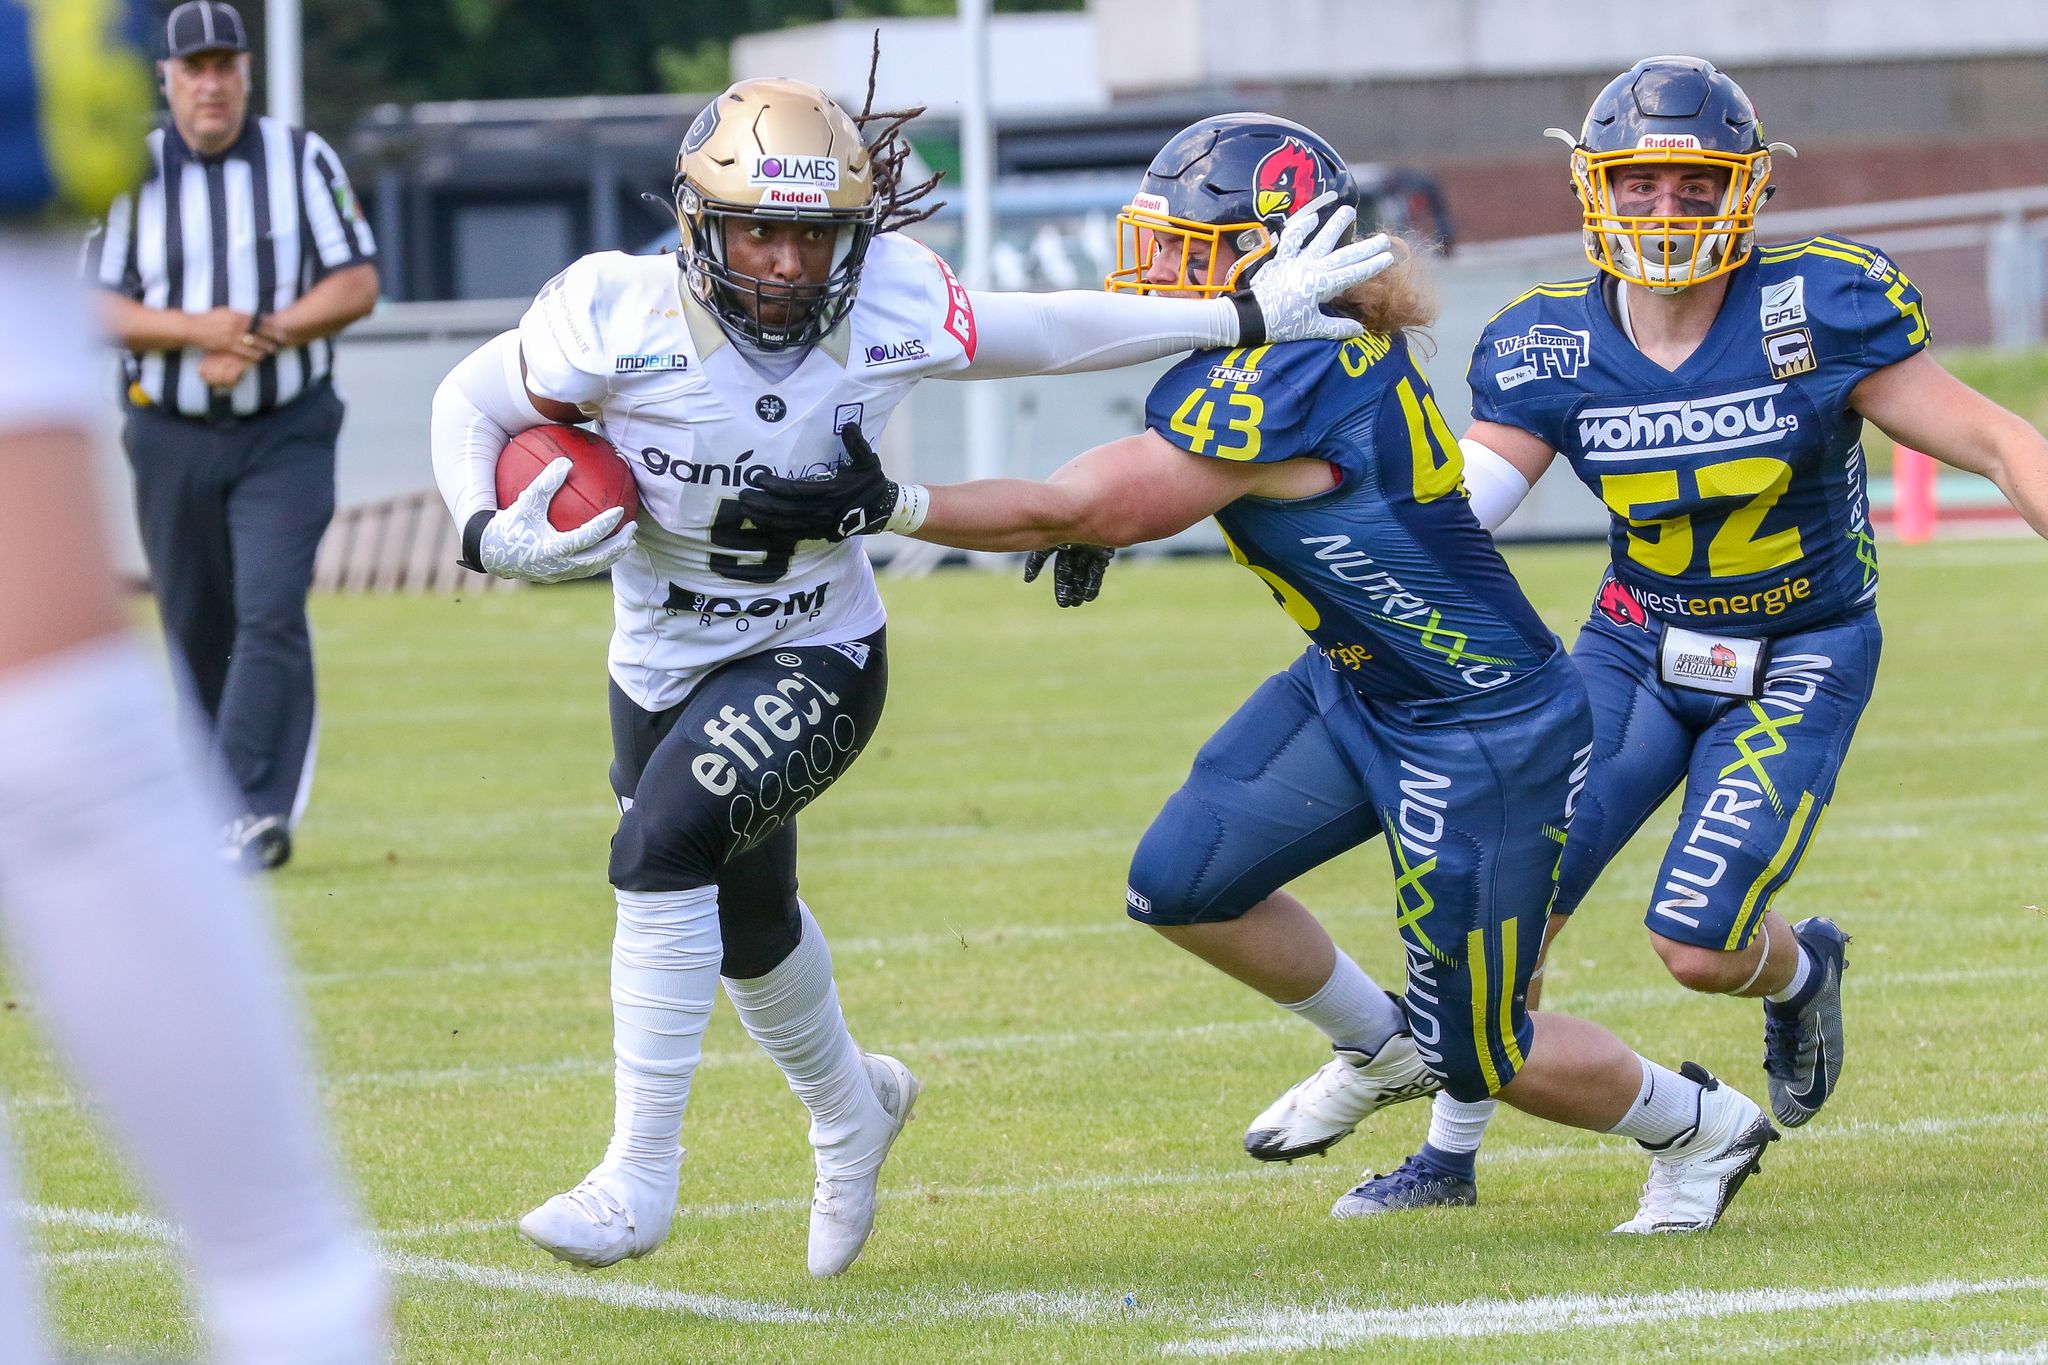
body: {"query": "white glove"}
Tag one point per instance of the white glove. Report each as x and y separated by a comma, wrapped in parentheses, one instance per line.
(519, 543)
(1290, 286)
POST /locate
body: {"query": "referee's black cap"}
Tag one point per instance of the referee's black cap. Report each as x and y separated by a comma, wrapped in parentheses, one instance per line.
(204, 26)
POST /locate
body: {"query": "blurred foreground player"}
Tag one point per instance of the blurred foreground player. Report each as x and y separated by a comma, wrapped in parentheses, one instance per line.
(746, 673)
(1713, 393)
(142, 952)
(1432, 706)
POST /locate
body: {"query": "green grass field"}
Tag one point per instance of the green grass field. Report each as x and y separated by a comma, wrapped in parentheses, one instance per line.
(1073, 1187)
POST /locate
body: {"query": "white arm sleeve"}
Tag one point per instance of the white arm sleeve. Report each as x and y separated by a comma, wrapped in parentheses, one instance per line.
(1497, 487)
(1077, 330)
(480, 406)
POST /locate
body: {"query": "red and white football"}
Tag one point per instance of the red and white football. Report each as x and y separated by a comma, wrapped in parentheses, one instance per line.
(599, 477)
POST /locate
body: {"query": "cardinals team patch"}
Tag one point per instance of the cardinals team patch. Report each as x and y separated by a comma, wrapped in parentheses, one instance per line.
(1731, 665)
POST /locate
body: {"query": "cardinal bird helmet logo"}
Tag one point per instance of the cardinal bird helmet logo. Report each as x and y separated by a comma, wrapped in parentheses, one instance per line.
(1287, 178)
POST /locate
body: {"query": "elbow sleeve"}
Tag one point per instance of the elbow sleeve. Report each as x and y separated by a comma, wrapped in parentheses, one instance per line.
(480, 406)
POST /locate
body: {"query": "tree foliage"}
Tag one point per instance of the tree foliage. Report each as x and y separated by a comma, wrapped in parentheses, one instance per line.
(360, 53)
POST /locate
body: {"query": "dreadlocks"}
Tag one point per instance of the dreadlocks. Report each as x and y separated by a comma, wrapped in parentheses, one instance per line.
(890, 152)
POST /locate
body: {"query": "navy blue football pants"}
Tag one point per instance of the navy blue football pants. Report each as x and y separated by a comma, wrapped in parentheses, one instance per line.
(1473, 796)
(1758, 773)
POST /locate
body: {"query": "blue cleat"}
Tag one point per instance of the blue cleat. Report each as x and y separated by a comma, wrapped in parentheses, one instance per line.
(1414, 1184)
(1803, 1047)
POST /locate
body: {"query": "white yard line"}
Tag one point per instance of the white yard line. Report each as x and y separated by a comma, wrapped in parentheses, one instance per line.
(609, 1293)
(1565, 996)
(1304, 1329)
(2036, 1354)
(144, 1228)
(1246, 1328)
(1299, 1172)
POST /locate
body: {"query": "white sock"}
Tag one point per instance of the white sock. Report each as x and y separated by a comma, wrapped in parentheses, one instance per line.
(1666, 1110)
(665, 954)
(1459, 1125)
(156, 974)
(1801, 970)
(1351, 1009)
(793, 1013)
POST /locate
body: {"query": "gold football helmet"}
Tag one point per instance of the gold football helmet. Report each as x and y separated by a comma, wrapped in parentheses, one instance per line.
(782, 150)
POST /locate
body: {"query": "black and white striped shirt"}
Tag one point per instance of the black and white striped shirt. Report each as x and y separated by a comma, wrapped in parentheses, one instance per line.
(251, 229)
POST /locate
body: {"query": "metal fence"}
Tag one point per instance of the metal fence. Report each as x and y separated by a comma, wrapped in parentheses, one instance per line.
(1979, 259)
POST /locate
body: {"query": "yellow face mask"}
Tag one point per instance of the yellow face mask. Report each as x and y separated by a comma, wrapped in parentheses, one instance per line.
(1145, 228)
(1669, 252)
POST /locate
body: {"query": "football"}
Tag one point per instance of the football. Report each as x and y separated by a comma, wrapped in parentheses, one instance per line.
(599, 477)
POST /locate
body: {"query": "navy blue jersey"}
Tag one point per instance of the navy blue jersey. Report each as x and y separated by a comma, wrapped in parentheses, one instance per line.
(1388, 572)
(74, 104)
(1737, 481)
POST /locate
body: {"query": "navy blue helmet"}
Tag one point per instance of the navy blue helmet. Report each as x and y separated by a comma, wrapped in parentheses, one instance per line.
(1661, 113)
(1230, 180)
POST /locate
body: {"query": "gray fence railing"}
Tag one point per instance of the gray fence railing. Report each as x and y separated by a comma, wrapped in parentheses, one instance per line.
(1979, 258)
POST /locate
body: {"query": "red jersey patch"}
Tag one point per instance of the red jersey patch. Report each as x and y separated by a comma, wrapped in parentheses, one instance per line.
(959, 312)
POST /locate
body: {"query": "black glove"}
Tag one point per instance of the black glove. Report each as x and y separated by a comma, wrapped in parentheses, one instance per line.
(1076, 571)
(853, 500)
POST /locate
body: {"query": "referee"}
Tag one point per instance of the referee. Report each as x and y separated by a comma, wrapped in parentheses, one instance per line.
(226, 275)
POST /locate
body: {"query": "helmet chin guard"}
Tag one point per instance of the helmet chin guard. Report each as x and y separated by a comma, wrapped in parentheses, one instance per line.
(1665, 112)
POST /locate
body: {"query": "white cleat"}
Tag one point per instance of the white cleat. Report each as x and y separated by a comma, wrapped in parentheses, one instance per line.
(1693, 1181)
(1321, 1111)
(843, 1207)
(597, 1224)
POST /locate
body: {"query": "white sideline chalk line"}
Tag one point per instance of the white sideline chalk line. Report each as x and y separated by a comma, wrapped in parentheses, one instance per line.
(2036, 1354)
(610, 1293)
(1113, 1182)
(1261, 1330)
(1275, 1330)
(1566, 997)
(146, 1228)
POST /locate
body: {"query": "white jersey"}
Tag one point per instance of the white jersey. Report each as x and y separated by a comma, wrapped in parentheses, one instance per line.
(621, 337)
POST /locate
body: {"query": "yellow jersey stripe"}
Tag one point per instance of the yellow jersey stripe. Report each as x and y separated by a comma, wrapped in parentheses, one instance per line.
(1869, 256)
(1548, 291)
(1509, 934)
(1475, 960)
(1754, 901)
(1814, 249)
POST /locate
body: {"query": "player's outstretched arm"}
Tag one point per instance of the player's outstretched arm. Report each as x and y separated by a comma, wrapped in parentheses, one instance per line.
(1921, 405)
(1131, 490)
(1075, 330)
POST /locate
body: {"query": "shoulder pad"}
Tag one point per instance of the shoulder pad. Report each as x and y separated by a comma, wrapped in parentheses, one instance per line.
(912, 311)
(561, 336)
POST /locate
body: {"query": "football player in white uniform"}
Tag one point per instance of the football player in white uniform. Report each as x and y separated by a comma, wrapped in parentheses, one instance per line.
(746, 674)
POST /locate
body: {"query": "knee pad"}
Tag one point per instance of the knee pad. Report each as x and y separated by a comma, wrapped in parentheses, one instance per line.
(1166, 875)
(660, 848)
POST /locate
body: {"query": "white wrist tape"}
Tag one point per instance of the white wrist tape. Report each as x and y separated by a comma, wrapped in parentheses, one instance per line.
(1497, 487)
(913, 500)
